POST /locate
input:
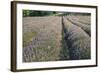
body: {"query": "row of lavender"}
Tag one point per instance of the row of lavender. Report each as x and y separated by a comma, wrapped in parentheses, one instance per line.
(57, 38)
(45, 46)
(77, 39)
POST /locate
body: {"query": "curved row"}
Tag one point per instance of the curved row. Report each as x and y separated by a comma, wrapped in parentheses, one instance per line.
(78, 41)
(86, 28)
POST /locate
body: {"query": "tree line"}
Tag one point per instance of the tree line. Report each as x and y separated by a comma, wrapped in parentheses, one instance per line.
(29, 13)
(37, 13)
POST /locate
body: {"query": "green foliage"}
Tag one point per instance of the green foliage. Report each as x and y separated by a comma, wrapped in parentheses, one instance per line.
(27, 13)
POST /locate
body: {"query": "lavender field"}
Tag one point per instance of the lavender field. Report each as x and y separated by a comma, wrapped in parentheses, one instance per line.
(56, 38)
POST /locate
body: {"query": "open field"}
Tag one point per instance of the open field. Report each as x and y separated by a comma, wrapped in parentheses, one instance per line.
(54, 38)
